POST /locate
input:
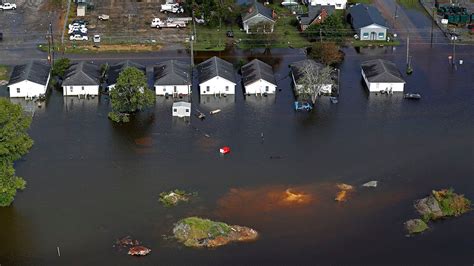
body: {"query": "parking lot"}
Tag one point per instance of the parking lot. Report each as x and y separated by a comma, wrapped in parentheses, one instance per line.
(130, 23)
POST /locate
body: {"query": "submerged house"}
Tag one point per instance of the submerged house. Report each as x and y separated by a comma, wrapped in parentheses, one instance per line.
(81, 79)
(115, 70)
(368, 22)
(29, 80)
(216, 76)
(382, 76)
(258, 19)
(338, 4)
(258, 78)
(297, 75)
(172, 77)
(316, 14)
(181, 109)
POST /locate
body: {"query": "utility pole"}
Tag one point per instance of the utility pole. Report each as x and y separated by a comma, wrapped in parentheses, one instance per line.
(409, 69)
(320, 35)
(408, 46)
(191, 41)
(52, 42)
(432, 25)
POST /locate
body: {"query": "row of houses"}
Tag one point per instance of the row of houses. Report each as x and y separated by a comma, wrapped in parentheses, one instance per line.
(172, 77)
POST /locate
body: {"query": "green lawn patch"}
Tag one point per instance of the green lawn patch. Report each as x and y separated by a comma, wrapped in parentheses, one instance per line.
(359, 43)
(360, 1)
(210, 38)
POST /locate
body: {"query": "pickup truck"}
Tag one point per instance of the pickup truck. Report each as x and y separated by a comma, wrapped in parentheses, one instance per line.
(169, 23)
(172, 8)
(7, 6)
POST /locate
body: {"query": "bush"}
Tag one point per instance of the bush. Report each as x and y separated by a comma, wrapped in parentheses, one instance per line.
(119, 117)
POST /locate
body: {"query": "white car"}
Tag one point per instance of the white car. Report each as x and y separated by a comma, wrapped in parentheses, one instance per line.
(104, 17)
(78, 37)
(77, 29)
(173, 8)
(77, 25)
(7, 6)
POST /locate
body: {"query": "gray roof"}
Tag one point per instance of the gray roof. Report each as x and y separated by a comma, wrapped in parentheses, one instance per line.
(82, 73)
(365, 15)
(181, 104)
(256, 70)
(314, 12)
(172, 72)
(114, 70)
(255, 9)
(380, 70)
(214, 67)
(297, 66)
(34, 71)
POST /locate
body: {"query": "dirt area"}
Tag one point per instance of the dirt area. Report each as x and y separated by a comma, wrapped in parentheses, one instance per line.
(130, 22)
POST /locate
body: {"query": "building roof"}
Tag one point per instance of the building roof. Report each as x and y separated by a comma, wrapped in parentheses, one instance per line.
(114, 70)
(214, 67)
(82, 74)
(314, 12)
(380, 70)
(172, 72)
(256, 70)
(365, 15)
(296, 68)
(255, 9)
(34, 71)
(181, 104)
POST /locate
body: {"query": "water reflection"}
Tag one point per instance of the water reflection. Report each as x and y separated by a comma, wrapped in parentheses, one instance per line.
(215, 102)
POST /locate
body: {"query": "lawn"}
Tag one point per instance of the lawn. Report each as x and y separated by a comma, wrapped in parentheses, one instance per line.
(360, 1)
(4, 70)
(210, 38)
(359, 43)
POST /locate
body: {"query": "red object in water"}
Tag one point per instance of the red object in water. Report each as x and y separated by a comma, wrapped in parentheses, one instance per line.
(224, 150)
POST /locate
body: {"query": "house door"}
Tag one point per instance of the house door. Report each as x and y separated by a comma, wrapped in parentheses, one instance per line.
(373, 36)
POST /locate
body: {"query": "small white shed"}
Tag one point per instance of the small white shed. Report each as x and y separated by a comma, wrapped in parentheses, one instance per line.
(181, 109)
(382, 76)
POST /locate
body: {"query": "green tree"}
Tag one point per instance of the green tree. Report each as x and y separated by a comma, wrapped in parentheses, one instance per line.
(332, 28)
(14, 143)
(60, 66)
(130, 94)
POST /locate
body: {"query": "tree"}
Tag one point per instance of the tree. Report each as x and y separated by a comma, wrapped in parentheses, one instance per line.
(327, 53)
(130, 94)
(313, 79)
(14, 143)
(60, 66)
(332, 28)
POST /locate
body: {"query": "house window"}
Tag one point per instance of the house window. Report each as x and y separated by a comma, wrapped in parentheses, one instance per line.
(338, 5)
(187, 110)
(175, 110)
(164, 89)
(71, 89)
(17, 90)
(267, 88)
(226, 88)
(381, 35)
(82, 88)
(365, 35)
(208, 89)
(175, 89)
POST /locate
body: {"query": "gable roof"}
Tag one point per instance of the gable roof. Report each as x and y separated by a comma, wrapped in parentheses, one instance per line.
(34, 71)
(214, 67)
(256, 70)
(114, 70)
(379, 70)
(255, 9)
(314, 12)
(172, 72)
(82, 74)
(181, 104)
(365, 15)
(296, 68)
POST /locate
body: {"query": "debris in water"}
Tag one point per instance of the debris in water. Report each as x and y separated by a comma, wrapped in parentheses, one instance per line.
(126, 241)
(415, 226)
(224, 150)
(345, 187)
(213, 112)
(296, 197)
(172, 198)
(343, 193)
(139, 251)
(370, 184)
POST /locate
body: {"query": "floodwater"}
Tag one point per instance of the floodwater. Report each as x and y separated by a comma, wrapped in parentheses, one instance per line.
(91, 182)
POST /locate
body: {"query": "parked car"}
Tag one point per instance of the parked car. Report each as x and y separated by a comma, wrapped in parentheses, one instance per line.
(78, 37)
(172, 8)
(104, 17)
(81, 21)
(73, 25)
(7, 6)
(74, 30)
(169, 23)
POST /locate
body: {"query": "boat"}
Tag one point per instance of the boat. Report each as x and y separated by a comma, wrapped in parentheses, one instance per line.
(213, 112)
(334, 100)
(413, 96)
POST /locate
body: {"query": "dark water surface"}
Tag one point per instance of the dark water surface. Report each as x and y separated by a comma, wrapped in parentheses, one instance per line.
(91, 182)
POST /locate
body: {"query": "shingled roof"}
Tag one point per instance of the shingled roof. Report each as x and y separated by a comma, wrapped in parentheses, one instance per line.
(314, 12)
(215, 67)
(172, 72)
(365, 15)
(34, 71)
(380, 70)
(82, 73)
(256, 70)
(114, 70)
(296, 68)
(255, 9)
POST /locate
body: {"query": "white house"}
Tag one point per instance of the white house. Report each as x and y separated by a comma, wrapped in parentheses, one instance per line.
(297, 75)
(172, 78)
(29, 80)
(367, 21)
(115, 70)
(81, 79)
(258, 78)
(258, 19)
(338, 4)
(382, 75)
(216, 76)
(181, 109)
